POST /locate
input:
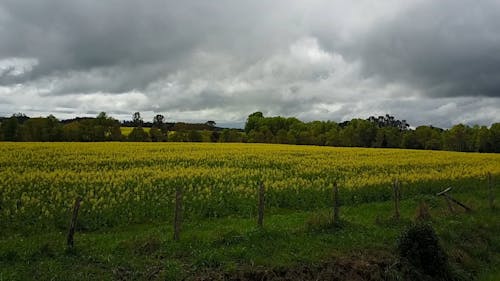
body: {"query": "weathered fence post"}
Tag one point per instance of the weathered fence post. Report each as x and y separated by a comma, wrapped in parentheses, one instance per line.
(260, 220)
(336, 204)
(177, 213)
(72, 225)
(396, 199)
(490, 189)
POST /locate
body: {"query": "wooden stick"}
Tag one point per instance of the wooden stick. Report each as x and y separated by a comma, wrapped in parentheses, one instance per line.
(177, 213)
(457, 202)
(336, 204)
(72, 224)
(260, 220)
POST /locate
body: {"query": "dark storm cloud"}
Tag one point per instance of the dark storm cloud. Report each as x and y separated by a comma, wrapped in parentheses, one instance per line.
(445, 48)
(125, 36)
(426, 61)
(113, 38)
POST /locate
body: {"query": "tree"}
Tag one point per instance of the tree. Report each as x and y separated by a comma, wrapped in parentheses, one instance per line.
(156, 135)
(359, 132)
(179, 136)
(159, 130)
(482, 139)
(106, 128)
(427, 137)
(282, 136)
(138, 134)
(214, 136)
(409, 140)
(54, 128)
(388, 137)
(137, 119)
(210, 123)
(158, 121)
(194, 136)
(10, 129)
(291, 138)
(389, 121)
(116, 133)
(458, 138)
(495, 137)
(333, 137)
(317, 132)
(72, 131)
(256, 136)
(253, 121)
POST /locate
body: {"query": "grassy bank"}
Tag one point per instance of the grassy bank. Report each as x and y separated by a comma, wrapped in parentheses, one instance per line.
(225, 247)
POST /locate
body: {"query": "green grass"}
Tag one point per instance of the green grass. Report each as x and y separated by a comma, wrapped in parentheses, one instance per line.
(289, 239)
(493, 274)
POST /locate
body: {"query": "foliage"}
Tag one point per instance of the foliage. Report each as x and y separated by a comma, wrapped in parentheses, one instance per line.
(420, 247)
(389, 121)
(383, 132)
(138, 135)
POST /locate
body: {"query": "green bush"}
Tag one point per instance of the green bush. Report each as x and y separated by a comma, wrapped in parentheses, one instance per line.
(419, 247)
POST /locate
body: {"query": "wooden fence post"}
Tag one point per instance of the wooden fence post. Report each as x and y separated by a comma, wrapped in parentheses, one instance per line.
(490, 189)
(177, 213)
(396, 199)
(336, 204)
(260, 220)
(72, 225)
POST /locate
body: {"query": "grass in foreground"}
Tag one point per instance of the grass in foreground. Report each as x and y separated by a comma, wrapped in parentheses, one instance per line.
(290, 239)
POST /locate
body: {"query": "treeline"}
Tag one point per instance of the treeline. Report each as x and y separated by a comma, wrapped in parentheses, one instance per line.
(383, 131)
(19, 127)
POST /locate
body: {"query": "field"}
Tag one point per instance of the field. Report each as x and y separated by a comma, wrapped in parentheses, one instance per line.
(122, 183)
(130, 185)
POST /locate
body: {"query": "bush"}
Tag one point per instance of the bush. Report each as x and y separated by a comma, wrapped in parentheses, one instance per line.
(419, 246)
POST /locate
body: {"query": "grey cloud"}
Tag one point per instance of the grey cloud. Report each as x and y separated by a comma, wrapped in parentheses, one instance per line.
(445, 48)
(85, 35)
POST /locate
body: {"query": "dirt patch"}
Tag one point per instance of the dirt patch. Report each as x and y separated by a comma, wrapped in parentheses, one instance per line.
(356, 268)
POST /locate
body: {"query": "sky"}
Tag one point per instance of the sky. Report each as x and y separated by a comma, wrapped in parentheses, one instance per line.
(429, 62)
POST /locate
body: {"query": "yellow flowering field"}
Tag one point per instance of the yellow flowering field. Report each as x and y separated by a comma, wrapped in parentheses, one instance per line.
(123, 183)
(127, 130)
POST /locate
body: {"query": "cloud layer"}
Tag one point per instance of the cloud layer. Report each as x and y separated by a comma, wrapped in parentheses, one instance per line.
(430, 62)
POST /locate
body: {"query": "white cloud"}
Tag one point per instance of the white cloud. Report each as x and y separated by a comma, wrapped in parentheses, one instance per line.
(17, 66)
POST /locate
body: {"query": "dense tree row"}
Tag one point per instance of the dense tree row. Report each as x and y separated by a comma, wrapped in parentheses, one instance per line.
(19, 127)
(382, 131)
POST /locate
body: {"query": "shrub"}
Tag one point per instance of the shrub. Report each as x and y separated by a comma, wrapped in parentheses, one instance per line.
(419, 246)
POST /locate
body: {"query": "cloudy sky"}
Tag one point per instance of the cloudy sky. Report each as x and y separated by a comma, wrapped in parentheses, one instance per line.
(427, 61)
